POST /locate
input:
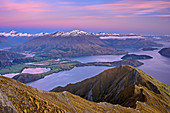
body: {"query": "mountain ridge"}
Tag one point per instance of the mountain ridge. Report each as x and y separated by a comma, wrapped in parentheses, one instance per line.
(124, 85)
(18, 97)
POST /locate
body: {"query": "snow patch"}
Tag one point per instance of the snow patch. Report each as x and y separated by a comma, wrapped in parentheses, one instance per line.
(122, 37)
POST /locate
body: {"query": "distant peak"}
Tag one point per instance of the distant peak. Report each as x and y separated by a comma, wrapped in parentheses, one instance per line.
(71, 33)
(78, 31)
(75, 31)
(13, 32)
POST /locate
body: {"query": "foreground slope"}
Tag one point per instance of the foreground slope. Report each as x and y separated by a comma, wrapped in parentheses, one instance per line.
(126, 86)
(17, 97)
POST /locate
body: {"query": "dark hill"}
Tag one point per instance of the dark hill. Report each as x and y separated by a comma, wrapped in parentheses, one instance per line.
(5, 42)
(67, 46)
(131, 43)
(126, 86)
(165, 52)
(135, 57)
(8, 55)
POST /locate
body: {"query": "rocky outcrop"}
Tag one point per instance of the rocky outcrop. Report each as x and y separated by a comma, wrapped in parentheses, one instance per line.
(5, 105)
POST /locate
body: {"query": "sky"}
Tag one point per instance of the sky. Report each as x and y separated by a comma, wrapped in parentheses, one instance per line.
(119, 16)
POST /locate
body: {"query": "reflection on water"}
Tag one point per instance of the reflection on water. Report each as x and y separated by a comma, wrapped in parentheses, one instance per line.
(97, 58)
(35, 70)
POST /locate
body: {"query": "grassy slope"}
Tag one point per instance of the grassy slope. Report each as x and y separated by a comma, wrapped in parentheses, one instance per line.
(28, 99)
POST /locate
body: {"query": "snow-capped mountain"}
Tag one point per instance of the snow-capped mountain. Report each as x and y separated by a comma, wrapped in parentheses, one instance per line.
(73, 33)
(80, 33)
(14, 33)
(101, 35)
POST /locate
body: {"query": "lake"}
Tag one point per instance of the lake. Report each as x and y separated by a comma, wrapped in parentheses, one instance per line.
(63, 78)
(158, 67)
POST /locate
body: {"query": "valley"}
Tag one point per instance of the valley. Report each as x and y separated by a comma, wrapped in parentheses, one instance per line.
(56, 64)
(73, 65)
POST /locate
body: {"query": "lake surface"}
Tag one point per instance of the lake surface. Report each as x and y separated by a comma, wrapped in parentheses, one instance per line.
(158, 67)
(63, 78)
(97, 58)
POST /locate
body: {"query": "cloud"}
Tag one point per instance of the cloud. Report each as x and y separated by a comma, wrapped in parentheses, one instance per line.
(118, 15)
(65, 3)
(162, 15)
(86, 17)
(25, 7)
(124, 8)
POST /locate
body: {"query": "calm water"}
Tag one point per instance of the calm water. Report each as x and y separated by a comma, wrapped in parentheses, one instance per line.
(77, 74)
(98, 58)
(158, 67)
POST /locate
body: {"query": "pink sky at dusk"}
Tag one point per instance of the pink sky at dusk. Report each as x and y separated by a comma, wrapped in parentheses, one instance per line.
(138, 16)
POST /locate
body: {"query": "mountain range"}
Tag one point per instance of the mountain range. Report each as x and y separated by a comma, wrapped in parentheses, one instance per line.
(17, 38)
(80, 43)
(122, 89)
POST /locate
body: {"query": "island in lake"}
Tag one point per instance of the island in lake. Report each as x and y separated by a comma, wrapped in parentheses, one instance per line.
(135, 57)
(149, 49)
(165, 52)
